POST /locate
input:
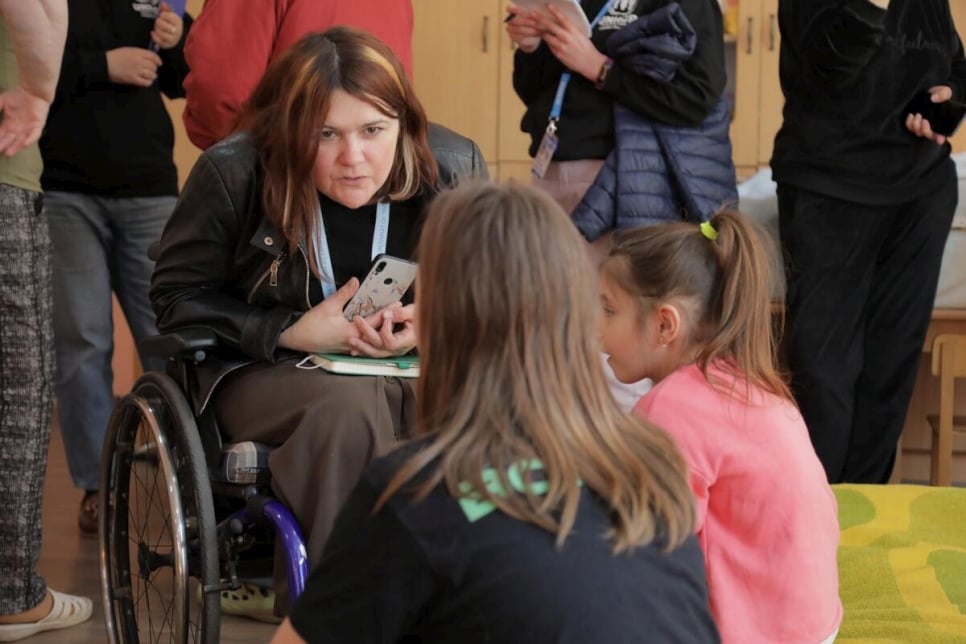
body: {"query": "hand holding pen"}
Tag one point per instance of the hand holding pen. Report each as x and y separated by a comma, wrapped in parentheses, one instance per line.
(523, 28)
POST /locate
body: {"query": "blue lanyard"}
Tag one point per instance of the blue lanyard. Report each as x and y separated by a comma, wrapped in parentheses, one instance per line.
(323, 256)
(565, 77)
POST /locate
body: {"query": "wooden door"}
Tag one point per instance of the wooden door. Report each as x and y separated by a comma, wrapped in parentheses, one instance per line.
(771, 99)
(456, 67)
(512, 143)
(743, 53)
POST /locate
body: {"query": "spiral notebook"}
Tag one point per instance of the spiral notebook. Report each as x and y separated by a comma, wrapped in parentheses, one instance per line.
(399, 366)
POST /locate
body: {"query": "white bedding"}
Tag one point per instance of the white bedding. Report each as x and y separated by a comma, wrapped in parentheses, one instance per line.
(759, 202)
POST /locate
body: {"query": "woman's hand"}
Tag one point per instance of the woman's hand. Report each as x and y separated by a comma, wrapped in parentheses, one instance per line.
(323, 328)
(523, 28)
(378, 335)
(132, 66)
(919, 126)
(168, 27)
(570, 45)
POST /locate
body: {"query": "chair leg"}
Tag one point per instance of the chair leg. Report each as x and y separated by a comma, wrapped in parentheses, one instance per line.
(943, 460)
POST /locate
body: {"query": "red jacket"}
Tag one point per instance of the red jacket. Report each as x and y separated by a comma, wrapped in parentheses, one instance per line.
(231, 43)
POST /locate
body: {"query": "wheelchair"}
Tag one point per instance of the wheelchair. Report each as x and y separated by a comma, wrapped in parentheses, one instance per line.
(165, 557)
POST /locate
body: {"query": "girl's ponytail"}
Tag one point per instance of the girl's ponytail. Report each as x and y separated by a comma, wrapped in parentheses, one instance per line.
(720, 273)
(740, 313)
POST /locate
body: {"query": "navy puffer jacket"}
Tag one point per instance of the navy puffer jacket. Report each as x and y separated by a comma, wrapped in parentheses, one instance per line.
(656, 172)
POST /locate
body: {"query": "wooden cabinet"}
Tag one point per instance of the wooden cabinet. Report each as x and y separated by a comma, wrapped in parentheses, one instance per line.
(463, 63)
(751, 52)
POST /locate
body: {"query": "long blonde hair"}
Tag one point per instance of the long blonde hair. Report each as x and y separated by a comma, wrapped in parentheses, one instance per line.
(511, 373)
(724, 282)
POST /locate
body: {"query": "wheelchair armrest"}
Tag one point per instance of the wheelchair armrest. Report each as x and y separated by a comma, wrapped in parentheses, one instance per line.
(186, 344)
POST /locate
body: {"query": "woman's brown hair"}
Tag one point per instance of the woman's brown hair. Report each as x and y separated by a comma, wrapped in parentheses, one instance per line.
(511, 374)
(724, 285)
(288, 107)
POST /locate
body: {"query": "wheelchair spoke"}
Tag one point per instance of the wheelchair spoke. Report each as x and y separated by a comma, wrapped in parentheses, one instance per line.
(159, 546)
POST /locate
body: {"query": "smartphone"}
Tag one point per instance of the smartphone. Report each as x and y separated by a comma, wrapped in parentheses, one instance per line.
(944, 118)
(387, 281)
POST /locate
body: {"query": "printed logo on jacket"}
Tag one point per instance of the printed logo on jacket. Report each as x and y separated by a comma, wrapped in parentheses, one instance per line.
(621, 14)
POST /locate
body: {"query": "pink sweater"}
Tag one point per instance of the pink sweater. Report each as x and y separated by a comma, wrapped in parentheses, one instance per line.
(767, 518)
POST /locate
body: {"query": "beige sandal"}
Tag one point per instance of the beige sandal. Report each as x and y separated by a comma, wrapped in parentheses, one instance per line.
(68, 610)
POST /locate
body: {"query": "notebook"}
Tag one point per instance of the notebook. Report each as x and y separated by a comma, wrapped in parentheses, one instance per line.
(400, 366)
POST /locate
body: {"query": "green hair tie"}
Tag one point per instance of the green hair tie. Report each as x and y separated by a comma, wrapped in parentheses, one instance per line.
(708, 230)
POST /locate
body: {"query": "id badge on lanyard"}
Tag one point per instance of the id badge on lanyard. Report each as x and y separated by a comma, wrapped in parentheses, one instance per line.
(550, 141)
(548, 145)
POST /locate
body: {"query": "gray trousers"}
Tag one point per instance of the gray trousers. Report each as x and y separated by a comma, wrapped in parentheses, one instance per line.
(327, 428)
(26, 393)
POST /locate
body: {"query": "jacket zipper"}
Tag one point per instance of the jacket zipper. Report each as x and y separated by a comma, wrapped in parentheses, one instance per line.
(271, 275)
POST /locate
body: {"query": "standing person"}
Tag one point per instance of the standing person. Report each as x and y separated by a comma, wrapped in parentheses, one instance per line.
(866, 194)
(531, 509)
(275, 227)
(31, 45)
(689, 307)
(223, 75)
(645, 90)
(651, 64)
(110, 185)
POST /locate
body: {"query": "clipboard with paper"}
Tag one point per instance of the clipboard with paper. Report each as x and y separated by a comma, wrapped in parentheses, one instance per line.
(570, 8)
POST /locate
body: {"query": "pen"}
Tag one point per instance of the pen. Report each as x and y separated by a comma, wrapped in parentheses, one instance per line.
(509, 17)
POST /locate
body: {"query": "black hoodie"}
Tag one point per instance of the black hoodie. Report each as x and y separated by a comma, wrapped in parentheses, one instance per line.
(849, 70)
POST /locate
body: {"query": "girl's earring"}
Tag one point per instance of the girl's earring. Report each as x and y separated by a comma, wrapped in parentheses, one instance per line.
(661, 340)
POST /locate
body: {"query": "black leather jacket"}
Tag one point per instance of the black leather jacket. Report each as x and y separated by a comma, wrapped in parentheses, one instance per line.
(219, 255)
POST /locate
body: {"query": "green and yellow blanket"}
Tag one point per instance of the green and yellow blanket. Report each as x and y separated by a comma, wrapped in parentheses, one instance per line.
(902, 564)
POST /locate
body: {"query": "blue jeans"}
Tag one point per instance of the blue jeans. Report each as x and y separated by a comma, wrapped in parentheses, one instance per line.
(100, 245)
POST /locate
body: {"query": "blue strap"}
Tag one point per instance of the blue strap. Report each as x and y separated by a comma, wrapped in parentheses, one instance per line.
(565, 77)
(323, 256)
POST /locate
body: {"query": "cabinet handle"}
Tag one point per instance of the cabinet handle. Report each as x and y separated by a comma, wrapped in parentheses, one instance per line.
(771, 32)
(750, 36)
(486, 30)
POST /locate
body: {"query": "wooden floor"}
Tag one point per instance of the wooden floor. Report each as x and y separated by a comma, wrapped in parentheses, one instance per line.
(69, 562)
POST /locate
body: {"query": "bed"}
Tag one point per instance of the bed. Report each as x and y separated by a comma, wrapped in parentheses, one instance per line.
(902, 564)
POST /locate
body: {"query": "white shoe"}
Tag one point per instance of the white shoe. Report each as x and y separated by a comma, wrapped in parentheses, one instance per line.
(68, 610)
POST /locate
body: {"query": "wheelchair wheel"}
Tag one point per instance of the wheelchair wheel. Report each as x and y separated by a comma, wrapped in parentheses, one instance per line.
(158, 548)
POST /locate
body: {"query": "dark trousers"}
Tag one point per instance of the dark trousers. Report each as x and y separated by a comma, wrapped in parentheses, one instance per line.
(861, 285)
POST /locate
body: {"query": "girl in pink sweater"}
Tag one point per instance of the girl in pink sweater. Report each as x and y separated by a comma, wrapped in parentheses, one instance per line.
(688, 306)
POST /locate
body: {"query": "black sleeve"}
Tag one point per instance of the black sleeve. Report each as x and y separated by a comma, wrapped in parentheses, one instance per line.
(174, 67)
(194, 273)
(957, 76)
(836, 39)
(534, 72)
(373, 580)
(693, 92)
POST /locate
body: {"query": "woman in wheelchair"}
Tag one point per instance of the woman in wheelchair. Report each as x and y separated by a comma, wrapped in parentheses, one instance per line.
(332, 164)
(531, 509)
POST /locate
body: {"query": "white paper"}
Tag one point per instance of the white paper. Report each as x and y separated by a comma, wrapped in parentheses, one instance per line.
(570, 8)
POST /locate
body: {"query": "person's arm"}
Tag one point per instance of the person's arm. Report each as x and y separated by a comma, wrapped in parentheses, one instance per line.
(37, 33)
(957, 76)
(689, 97)
(193, 281)
(372, 584)
(684, 101)
(223, 75)
(174, 67)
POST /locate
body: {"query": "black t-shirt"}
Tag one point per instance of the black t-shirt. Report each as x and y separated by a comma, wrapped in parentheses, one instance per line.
(436, 571)
(349, 232)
